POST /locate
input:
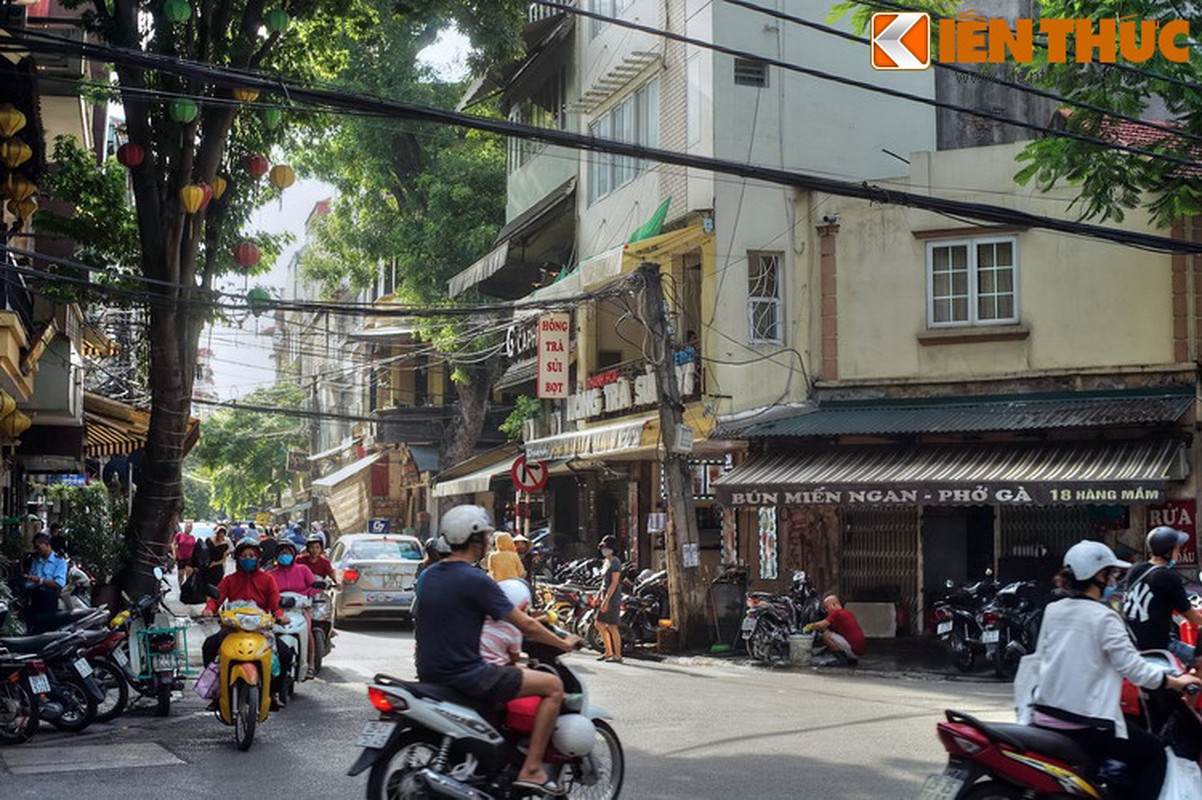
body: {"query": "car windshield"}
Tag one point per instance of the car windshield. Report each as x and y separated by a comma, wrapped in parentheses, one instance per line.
(378, 549)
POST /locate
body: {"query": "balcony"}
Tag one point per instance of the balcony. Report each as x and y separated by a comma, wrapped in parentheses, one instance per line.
(431, 425)
(538, 12)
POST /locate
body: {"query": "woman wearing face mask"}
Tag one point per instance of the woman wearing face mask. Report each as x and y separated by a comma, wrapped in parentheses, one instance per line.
(246, 583)
(610, 611)
(291, 576)
(1085, 651)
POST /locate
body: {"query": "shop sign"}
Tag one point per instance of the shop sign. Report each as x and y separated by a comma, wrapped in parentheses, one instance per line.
(71, 480)
(521, 340)
(1179, 514)
(586, 443)
(946, 495)
(554, 332)
(615, 391)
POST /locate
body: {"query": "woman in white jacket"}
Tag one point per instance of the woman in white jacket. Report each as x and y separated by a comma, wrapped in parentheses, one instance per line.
(1085, 651)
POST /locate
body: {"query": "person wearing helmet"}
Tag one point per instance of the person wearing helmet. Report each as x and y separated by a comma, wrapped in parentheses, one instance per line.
(1084, 654)
(315, 559)
(453, 602)
(1154, 591)
(247, 582)
(609, 609)
(292, 576)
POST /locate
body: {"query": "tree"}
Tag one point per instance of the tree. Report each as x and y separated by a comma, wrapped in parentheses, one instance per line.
(244, 454)
(1110, 183)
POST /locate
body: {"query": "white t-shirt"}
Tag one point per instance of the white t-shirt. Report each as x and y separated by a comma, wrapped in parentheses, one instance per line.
(500, 642)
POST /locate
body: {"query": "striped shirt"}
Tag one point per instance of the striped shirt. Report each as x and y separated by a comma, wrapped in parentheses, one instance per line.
(500, 642)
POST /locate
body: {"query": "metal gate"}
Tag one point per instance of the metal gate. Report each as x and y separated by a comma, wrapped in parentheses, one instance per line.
(880, 555)
(1031, 532)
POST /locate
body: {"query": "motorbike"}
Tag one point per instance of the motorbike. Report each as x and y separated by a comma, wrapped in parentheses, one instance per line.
(68, 694)
(244, 669)
(770, 619)
(1010, 626)
(77, 594)
(292, 631)
(21, 683)
(1005, 761)
(323, 632)
(643, 608)
(958, 624)
(430, 741)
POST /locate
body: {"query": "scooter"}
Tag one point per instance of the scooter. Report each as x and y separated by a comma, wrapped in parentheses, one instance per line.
(292, 631)
(430, 741)
(61, 677)
(770, 619)
(244, 669)
(77, 594)
(20, 687)
(958, 621)
(323, 632)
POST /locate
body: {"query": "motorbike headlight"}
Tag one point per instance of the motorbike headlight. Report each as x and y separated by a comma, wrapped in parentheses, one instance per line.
(248, 622)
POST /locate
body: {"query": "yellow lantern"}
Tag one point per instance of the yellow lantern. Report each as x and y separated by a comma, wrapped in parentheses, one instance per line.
(14, 153)
(246, 95)
(219, 185)
(8, 404)
(282, 176)
(18, 187)
(14, 424)
(192, 196)
(11, 120)
(23, 209)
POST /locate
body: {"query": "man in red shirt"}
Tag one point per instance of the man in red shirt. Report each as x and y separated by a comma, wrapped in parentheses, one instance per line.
(317, 563)
(840, 632)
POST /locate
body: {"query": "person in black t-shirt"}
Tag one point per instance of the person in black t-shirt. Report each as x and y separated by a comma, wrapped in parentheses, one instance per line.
(1154, 591)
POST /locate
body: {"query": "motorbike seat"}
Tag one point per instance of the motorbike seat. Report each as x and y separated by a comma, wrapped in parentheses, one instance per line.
(1041, 740)
(32, 644)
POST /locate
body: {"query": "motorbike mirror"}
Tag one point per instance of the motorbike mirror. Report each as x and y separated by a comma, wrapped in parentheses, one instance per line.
(288, 602)
(319, 584)
(949, 583)
(158, 573)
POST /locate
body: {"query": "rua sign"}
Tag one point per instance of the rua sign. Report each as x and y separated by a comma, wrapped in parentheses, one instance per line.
(1179, 514)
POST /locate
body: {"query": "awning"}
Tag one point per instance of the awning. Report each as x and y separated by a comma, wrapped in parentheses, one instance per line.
(485, 267)
(292, 509)
(597, 441)
(519, 373)
(347, 493)
(113, 428)
(1054, 473)
(381, 335)
(336, 449)
(322, 487)
(473, 482)
(426, 458)
(976, 414)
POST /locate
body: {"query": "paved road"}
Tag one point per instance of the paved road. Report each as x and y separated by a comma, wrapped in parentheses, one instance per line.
(702, 732)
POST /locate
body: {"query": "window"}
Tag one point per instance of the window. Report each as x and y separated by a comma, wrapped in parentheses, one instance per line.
(636, 120)
(608, 8)
(543, 109)
(765, 317)
(972, 282)
(749, 72)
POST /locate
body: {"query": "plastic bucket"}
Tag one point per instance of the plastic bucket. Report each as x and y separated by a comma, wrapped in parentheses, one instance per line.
(801, 648)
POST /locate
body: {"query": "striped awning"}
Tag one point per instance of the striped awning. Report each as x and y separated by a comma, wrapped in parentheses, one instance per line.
(1135, 472)
(117, 429)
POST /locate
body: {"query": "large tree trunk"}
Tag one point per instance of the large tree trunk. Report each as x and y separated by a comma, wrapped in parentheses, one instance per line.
(468, 422)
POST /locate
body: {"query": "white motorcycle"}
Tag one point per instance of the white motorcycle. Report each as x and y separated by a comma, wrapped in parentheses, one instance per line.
(292, 631)
(323, 631)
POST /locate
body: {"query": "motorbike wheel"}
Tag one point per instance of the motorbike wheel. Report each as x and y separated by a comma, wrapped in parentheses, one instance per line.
(79, 707)
(18, 713)
(319, 649)
(245, 704)
(763, 644)
(964, 658)
(116, 691)
(1005, 661)
(391, 778)
(994, 790)
(608, 768)
(162, 698)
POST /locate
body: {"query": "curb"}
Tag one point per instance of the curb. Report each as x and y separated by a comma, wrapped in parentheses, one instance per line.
(902, 673)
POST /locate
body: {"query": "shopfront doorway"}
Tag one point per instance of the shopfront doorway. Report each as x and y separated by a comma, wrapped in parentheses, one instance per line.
(957, 545)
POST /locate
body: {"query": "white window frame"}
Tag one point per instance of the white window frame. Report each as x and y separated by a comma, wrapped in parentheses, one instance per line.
(778, 302)
(970, 244)
(639, 110)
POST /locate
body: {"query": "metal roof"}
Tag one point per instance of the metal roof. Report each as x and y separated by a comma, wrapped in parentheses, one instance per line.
(976, 414)
(1146, 464)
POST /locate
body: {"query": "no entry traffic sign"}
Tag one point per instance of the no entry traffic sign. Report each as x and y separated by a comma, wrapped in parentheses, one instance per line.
(528, 477)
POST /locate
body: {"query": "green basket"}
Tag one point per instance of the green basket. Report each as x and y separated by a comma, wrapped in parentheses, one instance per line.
(179, 654)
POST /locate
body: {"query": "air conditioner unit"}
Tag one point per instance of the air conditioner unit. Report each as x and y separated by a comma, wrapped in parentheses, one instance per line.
(682, 441)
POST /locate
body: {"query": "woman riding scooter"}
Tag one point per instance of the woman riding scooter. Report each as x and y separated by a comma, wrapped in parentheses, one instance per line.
(292, 576)
(1084, 653)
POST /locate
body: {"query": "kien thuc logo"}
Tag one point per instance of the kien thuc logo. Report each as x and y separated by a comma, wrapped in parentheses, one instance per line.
(901, 40)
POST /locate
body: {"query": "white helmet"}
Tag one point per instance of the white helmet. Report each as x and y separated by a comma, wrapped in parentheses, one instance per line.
(516, 591)
(574, 735)
(458, 524)
(1087, 558)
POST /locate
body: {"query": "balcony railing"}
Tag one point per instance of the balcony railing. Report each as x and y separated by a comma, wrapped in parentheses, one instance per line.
(539, 12)
(430, 424)
(15, 297)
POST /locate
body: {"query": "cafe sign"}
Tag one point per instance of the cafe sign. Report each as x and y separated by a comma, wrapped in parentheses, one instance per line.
(554, 336)
(615, 391)
(977, 494)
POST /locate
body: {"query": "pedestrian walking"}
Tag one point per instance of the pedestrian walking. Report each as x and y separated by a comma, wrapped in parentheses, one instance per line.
(609, 612)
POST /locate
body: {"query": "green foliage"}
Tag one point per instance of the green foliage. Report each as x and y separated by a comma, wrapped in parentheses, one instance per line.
(99, 219)
(198, 492)
(525, 408)
(94, 520)
(244, 454)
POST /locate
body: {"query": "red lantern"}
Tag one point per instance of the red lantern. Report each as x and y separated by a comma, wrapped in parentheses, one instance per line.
(208, 190)
(247, 254)
(131, 155)
(257, 165)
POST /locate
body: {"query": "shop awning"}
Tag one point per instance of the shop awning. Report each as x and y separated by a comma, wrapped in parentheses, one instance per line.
(473, 482)
(1053, 473)
(598, 441)
(113, 428)
(391, 333)
(975, 414)
(336, 449)
(324, 486)
(347, 493)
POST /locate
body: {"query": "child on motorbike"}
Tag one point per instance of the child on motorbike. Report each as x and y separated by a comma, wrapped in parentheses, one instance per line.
(501, 641)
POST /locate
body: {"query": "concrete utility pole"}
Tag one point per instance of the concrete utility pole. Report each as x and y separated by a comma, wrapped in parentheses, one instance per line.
(685, 595)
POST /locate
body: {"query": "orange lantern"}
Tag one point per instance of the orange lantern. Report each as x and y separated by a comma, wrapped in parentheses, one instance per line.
(14, 153)
(18, 187)
(246, 95)
(11, 120)
(192, 197)
(219, 184)
(282, 176)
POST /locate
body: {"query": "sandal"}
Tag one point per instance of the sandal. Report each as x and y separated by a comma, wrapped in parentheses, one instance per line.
(604, 658)
(548, 787)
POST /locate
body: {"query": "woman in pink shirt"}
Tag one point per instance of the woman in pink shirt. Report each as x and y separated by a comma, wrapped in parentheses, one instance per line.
(293, 577)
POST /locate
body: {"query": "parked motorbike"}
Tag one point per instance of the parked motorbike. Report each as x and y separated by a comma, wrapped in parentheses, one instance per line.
(958, 623)
(77, 594)
(21, 684)
(430, 741)
(69, 695)
(1010, 624)
(323, 632)
(770, 619)
(244, 669)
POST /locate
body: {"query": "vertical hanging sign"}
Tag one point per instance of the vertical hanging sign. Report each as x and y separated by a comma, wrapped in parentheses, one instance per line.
(553, 339)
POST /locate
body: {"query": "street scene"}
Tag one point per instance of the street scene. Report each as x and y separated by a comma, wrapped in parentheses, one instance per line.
(600, 398)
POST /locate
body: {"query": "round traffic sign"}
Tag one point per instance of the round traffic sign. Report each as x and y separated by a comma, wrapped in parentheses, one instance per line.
(528, 477)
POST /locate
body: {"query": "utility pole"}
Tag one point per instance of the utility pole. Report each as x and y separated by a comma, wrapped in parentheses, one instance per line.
(684, 594)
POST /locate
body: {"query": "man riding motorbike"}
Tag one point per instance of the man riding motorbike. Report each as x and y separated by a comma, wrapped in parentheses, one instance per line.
(1154, 591)
(1084, 653)
(452, 603)
(315, 560)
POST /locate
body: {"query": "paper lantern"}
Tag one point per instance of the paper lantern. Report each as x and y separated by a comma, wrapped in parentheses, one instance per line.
(259, 300)
(11, 120)
(219, 184)
(192, 197)
(18, 187)
(131, 154)
(177, 10)
(183, 110)
(272, 117)
(24, 209)
(276, 20)
(282, 176)
(246, 95)
(247, 254)
(257, 165)
(208, 194)
(15, 424)
(14, 153)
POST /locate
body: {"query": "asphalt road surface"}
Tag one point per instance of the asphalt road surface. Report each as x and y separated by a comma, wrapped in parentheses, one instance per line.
(697, 731)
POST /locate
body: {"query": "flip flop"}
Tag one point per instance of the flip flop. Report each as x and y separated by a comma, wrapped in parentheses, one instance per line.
(549, 787)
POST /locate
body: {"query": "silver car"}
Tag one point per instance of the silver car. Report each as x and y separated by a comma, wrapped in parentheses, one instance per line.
(375, 574)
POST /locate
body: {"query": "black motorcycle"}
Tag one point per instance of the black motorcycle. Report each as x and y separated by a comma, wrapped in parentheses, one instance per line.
(958, 623)
(770, 619)
(1010, 625)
